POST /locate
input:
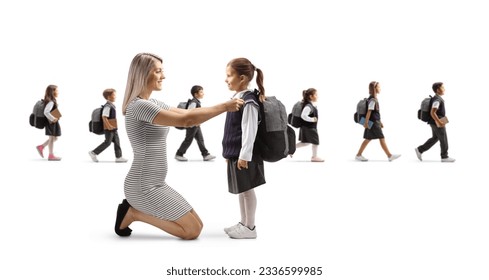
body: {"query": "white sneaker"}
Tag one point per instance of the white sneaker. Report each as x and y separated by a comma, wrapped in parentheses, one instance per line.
(448, 159)
(93, 156)
(180, 158)
(393, 157)
(120, 159)
(243, 232)
(317, 159)
(361, 158)
(418, 154)
(232, 228)
(209, 157)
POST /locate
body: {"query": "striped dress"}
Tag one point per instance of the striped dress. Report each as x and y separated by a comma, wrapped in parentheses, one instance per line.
(145, 187)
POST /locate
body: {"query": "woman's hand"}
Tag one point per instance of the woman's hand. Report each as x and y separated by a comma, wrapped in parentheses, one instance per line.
(242, 164)
(233, 105)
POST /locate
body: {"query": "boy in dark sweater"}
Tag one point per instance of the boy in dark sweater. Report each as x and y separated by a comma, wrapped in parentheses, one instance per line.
(110, 128)
(437, 123)
(195, 131)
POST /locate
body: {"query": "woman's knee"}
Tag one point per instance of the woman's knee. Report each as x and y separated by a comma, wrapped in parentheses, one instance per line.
(192, 232)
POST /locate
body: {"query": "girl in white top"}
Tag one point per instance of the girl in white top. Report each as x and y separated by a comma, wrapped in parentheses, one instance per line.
(52, 128)
(308, 133)
(374, 132)
(245, 169)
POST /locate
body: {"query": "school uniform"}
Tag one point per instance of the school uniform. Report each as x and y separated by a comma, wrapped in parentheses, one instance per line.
(192, 133)
(438, 133)
(240, 130)
(308, 132)
(51, 129)
(111, 136)
(375, 132)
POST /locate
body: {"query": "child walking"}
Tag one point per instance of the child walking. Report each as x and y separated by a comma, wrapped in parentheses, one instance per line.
(437, 123)
(195, 131)
(52, 128)
(308, 133)
(245, 169)
(110, 128)
(375, 132)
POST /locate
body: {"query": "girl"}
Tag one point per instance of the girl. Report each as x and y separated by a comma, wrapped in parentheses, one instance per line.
(52, 128)
(375, 132)
(308, 133)
(149, 198)
(245, 169)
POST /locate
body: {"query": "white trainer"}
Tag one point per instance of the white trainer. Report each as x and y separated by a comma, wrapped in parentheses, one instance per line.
(232, 228)
(361, 158)
(120, 159)
(394, 157)
(93, 156)
(243, 232)
(418, 154)
(448, 159)
(209, 157)
(180, 158)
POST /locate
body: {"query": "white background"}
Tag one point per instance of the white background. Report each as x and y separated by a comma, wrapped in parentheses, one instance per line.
(377, 220)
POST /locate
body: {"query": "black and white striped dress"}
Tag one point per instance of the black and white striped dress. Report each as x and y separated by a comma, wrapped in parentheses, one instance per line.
(145, 187)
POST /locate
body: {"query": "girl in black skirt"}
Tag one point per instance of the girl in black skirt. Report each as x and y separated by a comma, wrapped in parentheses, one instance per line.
(52, 128)
(375, 132)
(308, 132)
(245, 168)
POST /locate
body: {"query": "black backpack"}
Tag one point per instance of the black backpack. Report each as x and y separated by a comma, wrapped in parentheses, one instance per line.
(96, 125)
(183, 105)
(37, 118)
(294, 118)
(424, 113)
(275, 139)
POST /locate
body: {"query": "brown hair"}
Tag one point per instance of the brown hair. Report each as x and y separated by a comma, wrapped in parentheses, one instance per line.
(49, 94)
(108, 92)
(306, 94)
(243, 66)
(372, 87)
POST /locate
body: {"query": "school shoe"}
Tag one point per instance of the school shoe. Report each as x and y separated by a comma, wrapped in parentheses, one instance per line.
(232, 228)
(52, 157)
(243, 232)
(317, 159)
(394, 157)
(418, 154)
(209, 157)
(180, 158)
(361, 158)
(40, 150)
(121, 213)
(93, 156)
(448, 159)
(120, 159)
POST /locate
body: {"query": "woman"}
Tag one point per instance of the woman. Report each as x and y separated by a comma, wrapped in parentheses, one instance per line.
(148, 197)
(375, 132)
(52, 128)
(308, 133)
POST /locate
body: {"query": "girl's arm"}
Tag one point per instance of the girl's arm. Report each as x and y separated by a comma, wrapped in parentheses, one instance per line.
(305, 114)
(249, 128)
(47, 112)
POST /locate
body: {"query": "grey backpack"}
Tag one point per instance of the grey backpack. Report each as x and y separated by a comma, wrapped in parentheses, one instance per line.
(37, 118)
(424, 110)
(361, 110)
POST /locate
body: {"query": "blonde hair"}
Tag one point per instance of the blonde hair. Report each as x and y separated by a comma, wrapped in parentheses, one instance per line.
(137, 79)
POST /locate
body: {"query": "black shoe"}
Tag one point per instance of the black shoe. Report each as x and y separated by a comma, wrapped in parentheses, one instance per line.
(121, 213)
